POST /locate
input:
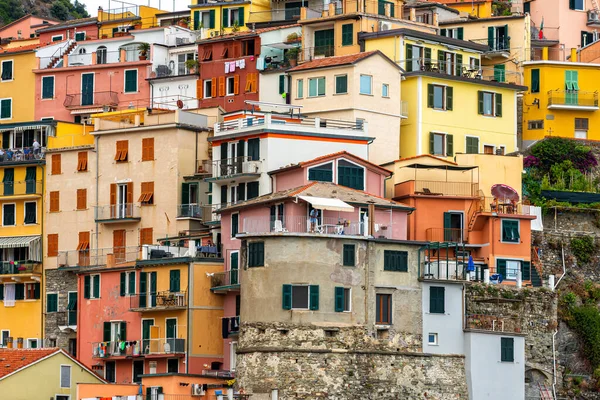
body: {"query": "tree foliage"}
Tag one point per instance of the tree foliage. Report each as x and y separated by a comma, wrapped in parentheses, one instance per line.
(65, 10)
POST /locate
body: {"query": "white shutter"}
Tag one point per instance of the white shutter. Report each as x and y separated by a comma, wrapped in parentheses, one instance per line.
(65, 376)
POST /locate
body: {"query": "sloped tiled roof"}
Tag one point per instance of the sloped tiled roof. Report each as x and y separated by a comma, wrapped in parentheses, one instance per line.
(12, 360)
(246, 33)
(20, 49)
(328, 156)
(66, 24)
(333, 61)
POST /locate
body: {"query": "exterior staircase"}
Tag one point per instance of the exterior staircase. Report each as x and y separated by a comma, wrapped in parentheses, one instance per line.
(536, 271)
(55, 59)
(545, 393)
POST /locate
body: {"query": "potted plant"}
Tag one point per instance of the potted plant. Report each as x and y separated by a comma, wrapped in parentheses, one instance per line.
(182, 23)
(235, 27)
(144, 48)
(292, 56)
(292, 37)
(192, 66)
(137, 25)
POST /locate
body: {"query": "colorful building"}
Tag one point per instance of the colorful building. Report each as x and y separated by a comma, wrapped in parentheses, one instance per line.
(435, 80)
(223, 17)
(25, 27)
(476, 8)
(118, 22)
(76, 29)
(17, 83)
(561, 100)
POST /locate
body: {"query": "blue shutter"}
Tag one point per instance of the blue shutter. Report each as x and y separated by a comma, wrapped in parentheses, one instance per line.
(287, 297)
(314, 297)
(339, 299)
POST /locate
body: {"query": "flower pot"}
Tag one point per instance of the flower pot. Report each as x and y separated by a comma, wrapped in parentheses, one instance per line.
(142, 58)
(293, 62)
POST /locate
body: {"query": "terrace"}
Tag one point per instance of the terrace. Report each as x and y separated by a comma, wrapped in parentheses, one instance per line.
(225, 282)
(493, 323)
(18, 141)
(148, 348)
(572, 100)
(438, 180)
(161, 301)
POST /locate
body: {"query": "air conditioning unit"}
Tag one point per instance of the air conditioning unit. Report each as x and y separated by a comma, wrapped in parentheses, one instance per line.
(593, 16)
(384, 26)
(122, 29)
(251, 167)
(461, 254)
(198, 389)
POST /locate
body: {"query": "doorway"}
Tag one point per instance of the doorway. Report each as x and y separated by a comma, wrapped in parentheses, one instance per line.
(87, 89)
(363, 219)
(453, 227)
(110, 370)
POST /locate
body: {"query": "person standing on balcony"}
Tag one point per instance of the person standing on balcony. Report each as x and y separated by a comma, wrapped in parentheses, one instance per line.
(36, 148)
(314, 214)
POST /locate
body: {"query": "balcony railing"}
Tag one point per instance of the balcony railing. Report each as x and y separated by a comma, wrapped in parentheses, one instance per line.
(497, 44)
(165, 71)
(197, 211)
(311, 53)
(92, 258)
(461, 70)
(444, 269)
(165, 300)
(20, 267)
(281, 14)
(235, 166)
(225, 279)
(95, 99)
(20, 188)
(500, 206)
(141, 347)
(21, 155)
(493, 323)
(124, 211)
(119, 13)
(572, 99)
(451, 235)
(442, 188)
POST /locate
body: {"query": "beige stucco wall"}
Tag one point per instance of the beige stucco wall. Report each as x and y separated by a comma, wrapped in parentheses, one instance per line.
(42, 380)
(495, 169)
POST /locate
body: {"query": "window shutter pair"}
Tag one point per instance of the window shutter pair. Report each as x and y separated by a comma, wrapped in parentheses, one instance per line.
(146, 197)
(52, 244)
(148, 147)
(146, 236)
(84, 241)
(251, 80)
(347, 34)
(472, 145)
(349, 255)
(395, 261)
(174, 281)
(82, 161)
(56, 164)
(51, 302)
(6, 108)
(48, 87)
(122, 150)
(507, 349)
(437, 300)
(54, 201)
(256, 254)
(81, 199)
(131, 81)
(313, 297)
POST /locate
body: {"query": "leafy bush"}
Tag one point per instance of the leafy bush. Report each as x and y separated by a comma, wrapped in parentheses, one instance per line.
(583, 247)
(569, 299)
(586, 321)
(555, 150)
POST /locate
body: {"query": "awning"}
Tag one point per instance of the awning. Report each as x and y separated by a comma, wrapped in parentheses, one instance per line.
(323, 203)
(33, 242)
(88, 110)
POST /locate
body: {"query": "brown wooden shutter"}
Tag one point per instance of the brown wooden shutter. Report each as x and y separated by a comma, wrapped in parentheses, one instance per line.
(81, 199)
(213, 87)
(148, 149)
(119, 245)
(147, 194)
(54, 201)
(82, 161)
(146, 236)
(221, 86)
(56, 164)
(84, 241)
(236, 84)
(52, 244)
(129, 193)
(113, 200)
(199, 89)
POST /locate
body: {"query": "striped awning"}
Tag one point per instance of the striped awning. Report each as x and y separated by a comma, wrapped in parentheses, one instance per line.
(16, 241)
(77, 111)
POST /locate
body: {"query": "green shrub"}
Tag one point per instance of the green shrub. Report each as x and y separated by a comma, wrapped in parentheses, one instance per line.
(569, 299)
(586, 321)
(583, 247)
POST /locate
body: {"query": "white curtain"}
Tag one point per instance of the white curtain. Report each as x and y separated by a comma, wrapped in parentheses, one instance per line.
(9, 295)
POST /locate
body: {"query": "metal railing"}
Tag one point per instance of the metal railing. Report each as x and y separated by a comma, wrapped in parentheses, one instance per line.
(20, 188)
(462, 70)
(115, 14)
(117, 211)
(310, 53)
(493, 323)
(147, 347)
(20, 267)
(452, 235)
(497, 44)
(225, 278)
(573, 98)
(449, 269)
(164, 300)
(198, 211)
(95, 99)
(168, 70)
(295, 124)
(281, 14)
(21, 155)
(98, 257)
(324, 225)
(501, 206)
(442, 188)
(234, 166)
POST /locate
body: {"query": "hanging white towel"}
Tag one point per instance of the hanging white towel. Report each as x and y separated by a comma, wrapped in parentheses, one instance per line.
(242, 63)
(237, 63)
(9, 295)
(260, 63)
(226, 67)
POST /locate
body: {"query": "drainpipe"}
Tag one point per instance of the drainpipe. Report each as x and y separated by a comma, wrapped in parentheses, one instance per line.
(97, 194)
(564, 267)
(554, 363)
(42, 280)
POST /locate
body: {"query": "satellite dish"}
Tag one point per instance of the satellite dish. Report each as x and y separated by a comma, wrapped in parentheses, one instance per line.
(179, 104)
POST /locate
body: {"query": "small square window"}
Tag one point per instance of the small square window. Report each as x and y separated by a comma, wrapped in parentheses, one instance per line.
(300, 297)
(341, 84)
(366, 84)
(395, 261)
(510, 231)
(316, 87)
(432, 339)
(535, 124)
(507, 349)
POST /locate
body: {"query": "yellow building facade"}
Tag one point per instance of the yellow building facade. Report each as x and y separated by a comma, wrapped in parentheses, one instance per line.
(561, 100)
(218, 18)
(17, 84)
(117, 21)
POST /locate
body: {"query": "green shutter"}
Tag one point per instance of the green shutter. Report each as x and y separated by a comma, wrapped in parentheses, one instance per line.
(314, 297)
(491, 37)
(571, 4)
(30, 180)
(52, 302)
(281, 84)
(535, 80)
(448, 226)
(449, 98)
(443, 32)
(341, 84)
(526, 271)
(409, 56)
(252, 190)
(430, 96)
(196, 20)
(234, 224)
(498, 99)
(131, 81)
(132, 282)
(460, 33)
(225, 17)
(436, 300)
(253, 150)
(96, 283)
(123, 278)
(174, 281)
(142, 290)
(287, 297)
(106, 336)
(441, 59)
(501, 268)
(20, 291)
(459, 60)
(507, 349)
(472, 145)
(499, 73)
(241, 16)
(211, 19)
(347, 34)
(431, 143)
(6, 108)
(339, 299)
(321, 87)
(153, 288)
(349, 255)
(479, 102)
(1, 292)
(48, 87)
(123, 330)
(185, 194)
(476, 63)
(395, 261)
(36, 290)
(449, 145)
(427, 55)
(86, 287)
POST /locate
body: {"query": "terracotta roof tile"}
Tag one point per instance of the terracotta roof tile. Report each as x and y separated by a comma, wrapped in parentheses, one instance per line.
(69, 23)
(328, 156)
(20, 49)
(333, 61)
(247, 33)
(14, 359)
(426, 155)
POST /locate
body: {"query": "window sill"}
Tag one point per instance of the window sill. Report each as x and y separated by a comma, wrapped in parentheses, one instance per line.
(49, 99)
(383, 327)
(503, 242)
(136, 92)
(340, 94)
(366, 94)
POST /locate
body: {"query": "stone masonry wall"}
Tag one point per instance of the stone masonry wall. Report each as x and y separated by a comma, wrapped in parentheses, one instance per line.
(60, 282)
(312, 362)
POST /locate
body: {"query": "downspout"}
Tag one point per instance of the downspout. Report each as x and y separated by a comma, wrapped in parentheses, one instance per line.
(189, 318)
(97, 194)
(556, 331)
(42, 280)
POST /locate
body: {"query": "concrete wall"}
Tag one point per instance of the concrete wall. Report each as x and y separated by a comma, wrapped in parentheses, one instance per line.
(448, 326)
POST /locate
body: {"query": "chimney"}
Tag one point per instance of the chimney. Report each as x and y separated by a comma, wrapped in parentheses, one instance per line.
(436, 19)
(573, 54)
(413, 14)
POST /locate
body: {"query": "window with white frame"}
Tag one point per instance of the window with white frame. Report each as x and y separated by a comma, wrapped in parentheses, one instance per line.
(385, 90)
(4, 335)
(439, 143)
(439, 94)
(32, 343)
(31, 291)
(129, 283)
(230, 86)
(366, 84)
(432, 339)
(65, 376)
(57, 38)
(300, 88)
(233, 356)
(7, 70)
(208, 88)
(316, 87)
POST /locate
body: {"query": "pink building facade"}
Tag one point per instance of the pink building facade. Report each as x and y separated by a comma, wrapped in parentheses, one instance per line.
(79, 30)
(25, 27)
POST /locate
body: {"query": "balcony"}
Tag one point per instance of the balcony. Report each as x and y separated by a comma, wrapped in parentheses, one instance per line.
(572, 100)
(91, 100)
(22, 155)
(436, 188)
(20, 267)
(497, 47)
(161, 301)
(241, 168)
(165, 71)
(224, 282)
(311, 53)
(21, 189)
(117, 213)
(148, 348)
(493, 323)
(450, 235)
(502, 207)
(593, 18)
(280, 14)
(194, 211)
(94, 258)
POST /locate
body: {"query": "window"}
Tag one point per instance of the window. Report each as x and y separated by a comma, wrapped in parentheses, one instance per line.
(79, 36)
(347, 35)
(52, 244)
(56, 164)
(146, 236)
(127, 286)
(147, 196)
(82, 161)
(54, 201)
(366, 84)
(300, 88)
(300, 297)
(148, 149)
(138, 370)
(341, 84)
(510, 231)
(349, 257)
(234, 224)
(455, 33)
(32, 343)
(47, 87)
(343, 299)
(322, 173)
(488, 149)
(382, 7)
(30, 213)
(247, 48)
(81, 199)
(56, 38)
(233, 17)
(587, 38)
(5, 108)
(535, 81)
(172, 365)
(174, 281)
(581, 128)
(385, 90)
(131, 84)
(251, 82)
(432, 339)
(233, 85)
(439, 97)
(578, 5)
(351, 175)
(256, 254)
(4, 338)
(507, 349)
(207, 53)
(91, 286)
(535, 124)
(437, 300)
(122, 147)
(7, 70)
(32, 291)
(383, 309)
(252, 190)
(8, 181)
(101, 53)
(8, 215)
(208, 88)
(472, 145)
(316, 87)
(489, 104)
(52, 302)
(395, 261)
(65, 376)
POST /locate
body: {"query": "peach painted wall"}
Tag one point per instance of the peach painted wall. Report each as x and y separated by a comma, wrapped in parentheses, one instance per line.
(107, 77)
(91, 32)
(561, 23)
(25, 26)
(91, 390)
(171, 385)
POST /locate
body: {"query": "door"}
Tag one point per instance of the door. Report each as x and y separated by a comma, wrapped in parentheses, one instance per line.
(171, 331)
(363, 219)
(109, 371)
(72, 309)
(138, 369)
(119, 245)
(87, 89)
(146, 324)
(122, 201)
(453, 224)
(324, 43)
(234, 268)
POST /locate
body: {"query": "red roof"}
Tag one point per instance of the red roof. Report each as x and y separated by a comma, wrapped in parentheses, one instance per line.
(246, 33)
(334, 61)
(426, 155)
(12, 360)
(330, 156)
(28, 47)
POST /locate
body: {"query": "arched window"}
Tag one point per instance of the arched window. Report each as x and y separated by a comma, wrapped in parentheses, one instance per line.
(101, 55)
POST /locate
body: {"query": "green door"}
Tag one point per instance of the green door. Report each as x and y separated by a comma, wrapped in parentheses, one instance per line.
(324, 43)
(87, 89)
(72, 309)
(499, 73)
(146, 324)
(171, 330)
(153, 289)
(234, 269)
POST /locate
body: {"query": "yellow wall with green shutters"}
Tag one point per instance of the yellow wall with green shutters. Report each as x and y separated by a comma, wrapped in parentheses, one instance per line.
(260, 7)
